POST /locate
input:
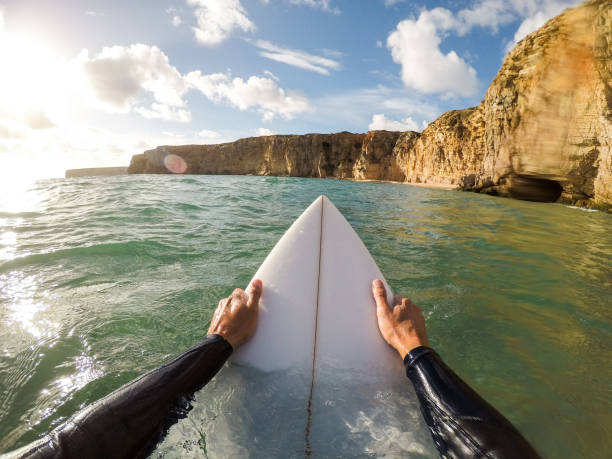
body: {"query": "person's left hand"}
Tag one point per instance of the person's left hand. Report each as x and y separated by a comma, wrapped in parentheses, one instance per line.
(236, 316)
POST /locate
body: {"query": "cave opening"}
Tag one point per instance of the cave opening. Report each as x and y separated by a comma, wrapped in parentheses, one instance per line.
(537, 189)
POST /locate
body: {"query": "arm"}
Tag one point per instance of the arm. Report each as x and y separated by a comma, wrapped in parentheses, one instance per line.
(130, 421)
(461, 422)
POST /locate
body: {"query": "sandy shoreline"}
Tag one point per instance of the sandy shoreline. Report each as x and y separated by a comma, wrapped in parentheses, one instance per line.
(439, 186)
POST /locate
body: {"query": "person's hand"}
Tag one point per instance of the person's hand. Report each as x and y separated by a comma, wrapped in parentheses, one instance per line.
(236, 316)
(403, 326)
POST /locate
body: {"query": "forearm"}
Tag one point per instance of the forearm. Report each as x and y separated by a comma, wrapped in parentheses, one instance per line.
(461, 422)
(130, 421)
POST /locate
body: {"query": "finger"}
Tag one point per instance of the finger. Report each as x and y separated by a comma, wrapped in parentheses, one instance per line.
(238, 297)
(255, 293)
(223, 304)
(406, 302)
(397, 299)
(380, 297)
(220, 309)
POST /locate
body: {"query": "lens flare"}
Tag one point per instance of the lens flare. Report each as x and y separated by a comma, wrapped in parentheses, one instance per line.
(175, 164)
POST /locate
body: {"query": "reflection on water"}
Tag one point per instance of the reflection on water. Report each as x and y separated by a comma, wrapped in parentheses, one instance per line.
(8, 243)
(19, 292)
(104, 278)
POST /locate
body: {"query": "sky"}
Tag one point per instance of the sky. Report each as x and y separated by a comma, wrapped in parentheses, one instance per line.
(89, 83)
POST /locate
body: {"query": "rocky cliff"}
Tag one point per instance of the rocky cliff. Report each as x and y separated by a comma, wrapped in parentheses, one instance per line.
(343, 155)
(548, 112)
(543, 131)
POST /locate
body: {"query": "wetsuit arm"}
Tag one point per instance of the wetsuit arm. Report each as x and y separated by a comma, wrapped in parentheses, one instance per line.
(461, 422)
(130, 421)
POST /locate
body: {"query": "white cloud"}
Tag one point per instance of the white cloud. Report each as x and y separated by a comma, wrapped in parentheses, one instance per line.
(208, 134)
(297, 58)
(271, 75)
(137, 78)
(176, 18)
(218, 19)
(37, 119)
(119, 77)
(332, 53)
(486, 13)
(415, 45)
(164, 112)
(263, 94)
(381, 123)
(379, 44)
(357, 106)
(1, 21)
(264, 132)
(495, 13)
(93, 13)
(324, 5)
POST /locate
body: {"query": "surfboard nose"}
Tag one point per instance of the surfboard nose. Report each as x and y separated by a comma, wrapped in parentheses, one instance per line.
(319, 269)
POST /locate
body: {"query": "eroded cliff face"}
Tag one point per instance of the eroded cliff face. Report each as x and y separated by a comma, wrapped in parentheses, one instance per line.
(543, 131)
(342, 155)
(448, 149)
(377, 160)
(548, 112)
(311, 155)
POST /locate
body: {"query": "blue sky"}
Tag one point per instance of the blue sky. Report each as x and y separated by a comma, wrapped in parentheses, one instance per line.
(90, 83)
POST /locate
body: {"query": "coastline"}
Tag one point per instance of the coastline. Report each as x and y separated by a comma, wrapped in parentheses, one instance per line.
(438, 186)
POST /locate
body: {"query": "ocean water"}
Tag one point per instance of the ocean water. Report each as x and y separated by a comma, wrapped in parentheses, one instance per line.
(102, 279)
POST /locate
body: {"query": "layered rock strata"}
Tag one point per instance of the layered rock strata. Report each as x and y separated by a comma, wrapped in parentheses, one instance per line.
(543, 131)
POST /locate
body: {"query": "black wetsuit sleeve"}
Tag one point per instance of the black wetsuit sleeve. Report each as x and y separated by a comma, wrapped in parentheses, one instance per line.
(130, 421)
(461, 422)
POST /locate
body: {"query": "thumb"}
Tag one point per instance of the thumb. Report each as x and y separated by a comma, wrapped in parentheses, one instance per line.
(255, 293)
(380, 296)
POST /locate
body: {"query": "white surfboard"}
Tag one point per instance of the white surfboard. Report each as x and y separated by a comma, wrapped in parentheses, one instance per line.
(317, 303)
(317, 378)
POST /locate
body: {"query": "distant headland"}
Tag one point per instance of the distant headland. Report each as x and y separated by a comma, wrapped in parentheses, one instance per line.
(96, 171)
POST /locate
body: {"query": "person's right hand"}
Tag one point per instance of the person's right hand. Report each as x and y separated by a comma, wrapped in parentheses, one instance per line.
(403, 326)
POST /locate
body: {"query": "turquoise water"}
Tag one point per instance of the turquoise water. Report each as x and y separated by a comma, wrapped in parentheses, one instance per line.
(104, 278)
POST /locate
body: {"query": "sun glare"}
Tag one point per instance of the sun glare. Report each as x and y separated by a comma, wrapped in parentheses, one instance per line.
(33, 78)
